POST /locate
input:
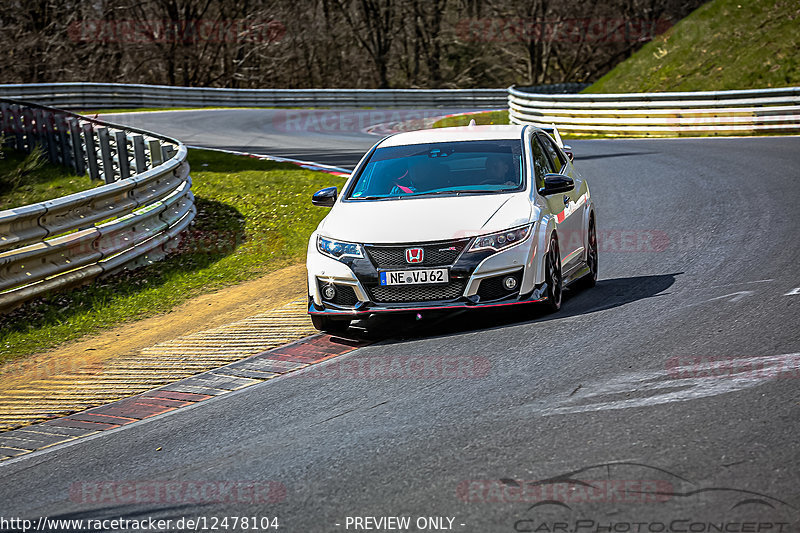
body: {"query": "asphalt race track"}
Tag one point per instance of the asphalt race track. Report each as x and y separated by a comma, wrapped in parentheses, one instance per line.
(331, 136)
(675, 378)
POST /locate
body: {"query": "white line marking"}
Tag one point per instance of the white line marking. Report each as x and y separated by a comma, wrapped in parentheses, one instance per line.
(732, 297)
(740, 283)
(736, 296)
(655, 387)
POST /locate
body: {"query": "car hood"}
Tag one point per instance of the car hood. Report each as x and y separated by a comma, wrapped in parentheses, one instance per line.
(425, 219)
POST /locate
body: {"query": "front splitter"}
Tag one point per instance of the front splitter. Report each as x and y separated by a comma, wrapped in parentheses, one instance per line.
(366, 309)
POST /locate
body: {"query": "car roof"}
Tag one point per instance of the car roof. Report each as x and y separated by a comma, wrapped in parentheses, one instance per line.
(459, 133)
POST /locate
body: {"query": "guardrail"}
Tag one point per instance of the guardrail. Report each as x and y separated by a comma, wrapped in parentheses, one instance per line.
(661, 114)
(121, 96)
(129, 221)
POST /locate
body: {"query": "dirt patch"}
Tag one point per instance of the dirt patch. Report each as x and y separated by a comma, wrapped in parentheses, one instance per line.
(201, 313)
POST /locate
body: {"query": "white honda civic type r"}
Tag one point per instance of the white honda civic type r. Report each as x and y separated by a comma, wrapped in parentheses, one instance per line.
(452, 218)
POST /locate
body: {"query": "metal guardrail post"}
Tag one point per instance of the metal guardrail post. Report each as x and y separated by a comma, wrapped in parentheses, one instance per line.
(91, 151)
(63, 137)
(48, 137)
(167, 151)
(122, 154)
(105, 155)
(30, 130)
(17, 125)
(156, 157)
(6, 122)
(140, 159)
(78, 161)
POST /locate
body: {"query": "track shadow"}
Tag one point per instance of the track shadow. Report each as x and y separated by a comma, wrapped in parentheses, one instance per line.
(607, 294)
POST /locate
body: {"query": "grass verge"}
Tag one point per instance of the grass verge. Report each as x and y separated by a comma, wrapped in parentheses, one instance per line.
(27, 179)
(254, 217)
(481, 119)
(723, 45)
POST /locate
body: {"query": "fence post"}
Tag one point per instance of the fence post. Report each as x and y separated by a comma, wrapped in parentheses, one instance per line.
(17, 125)
(167, 152)
(66, 152)
(31, 135)
(156, 158)
(91, 151)
(140, 158)
(105, 155)
(78, 162)
(6, 123)
(122, 154)
(48, 136)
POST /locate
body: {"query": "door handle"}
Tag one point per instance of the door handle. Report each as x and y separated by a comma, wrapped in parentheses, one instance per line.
(566, 200)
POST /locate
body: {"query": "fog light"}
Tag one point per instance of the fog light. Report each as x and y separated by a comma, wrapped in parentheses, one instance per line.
(328, 292)
(510, 283)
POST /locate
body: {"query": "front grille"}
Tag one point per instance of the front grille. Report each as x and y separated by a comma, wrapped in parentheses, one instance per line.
(434, 254)
(345, 295)
(493, 288)
(417, 293)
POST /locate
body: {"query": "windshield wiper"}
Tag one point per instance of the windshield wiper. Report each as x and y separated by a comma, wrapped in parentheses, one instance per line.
(456, 192)
(372, 197)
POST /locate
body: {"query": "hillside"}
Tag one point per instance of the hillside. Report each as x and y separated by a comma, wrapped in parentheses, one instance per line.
(723, 45)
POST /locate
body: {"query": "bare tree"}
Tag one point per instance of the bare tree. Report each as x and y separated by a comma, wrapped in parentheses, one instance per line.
(325, 43)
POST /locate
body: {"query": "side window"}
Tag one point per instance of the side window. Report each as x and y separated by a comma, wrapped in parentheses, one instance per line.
(541, 163)
(555, 155)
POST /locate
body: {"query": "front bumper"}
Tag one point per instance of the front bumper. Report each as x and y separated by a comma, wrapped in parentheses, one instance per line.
(475, 279)
(369, 308)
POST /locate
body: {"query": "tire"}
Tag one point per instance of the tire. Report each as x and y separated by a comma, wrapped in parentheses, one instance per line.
(553, 277)
(590, 280)
(329, 325)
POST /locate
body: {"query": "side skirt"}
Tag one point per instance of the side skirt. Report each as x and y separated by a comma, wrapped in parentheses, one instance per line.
(576, 271)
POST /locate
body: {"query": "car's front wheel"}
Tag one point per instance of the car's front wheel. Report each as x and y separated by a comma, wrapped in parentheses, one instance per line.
(330, 325)
(553, 276)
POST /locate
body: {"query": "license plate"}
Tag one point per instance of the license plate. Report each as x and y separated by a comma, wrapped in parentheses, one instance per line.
(414, 277)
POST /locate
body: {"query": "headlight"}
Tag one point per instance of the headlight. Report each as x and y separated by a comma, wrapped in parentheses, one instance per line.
(501, 240)
(338, 249)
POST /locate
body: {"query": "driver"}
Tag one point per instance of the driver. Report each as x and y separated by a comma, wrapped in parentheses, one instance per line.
(497, 171)
(428, 176)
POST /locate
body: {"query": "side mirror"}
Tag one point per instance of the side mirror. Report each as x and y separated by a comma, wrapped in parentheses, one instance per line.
(325, 197)
(555, 183)
(569, 152)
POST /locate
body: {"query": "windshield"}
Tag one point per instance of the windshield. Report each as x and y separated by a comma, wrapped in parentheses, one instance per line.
(447, 168)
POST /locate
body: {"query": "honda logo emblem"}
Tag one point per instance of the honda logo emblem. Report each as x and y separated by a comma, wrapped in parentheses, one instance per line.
(414, 255)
